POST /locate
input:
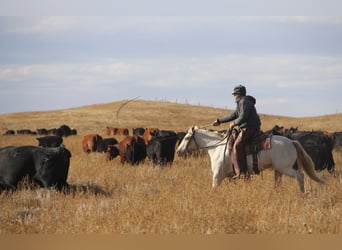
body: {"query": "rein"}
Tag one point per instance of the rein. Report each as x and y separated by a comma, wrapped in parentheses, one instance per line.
(207, 125)
(213, 145)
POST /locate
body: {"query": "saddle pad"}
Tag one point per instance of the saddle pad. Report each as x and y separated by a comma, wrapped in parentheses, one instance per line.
(266, 144)
(257, 145)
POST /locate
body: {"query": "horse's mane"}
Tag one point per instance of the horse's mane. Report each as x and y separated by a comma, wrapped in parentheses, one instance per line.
(211, 132)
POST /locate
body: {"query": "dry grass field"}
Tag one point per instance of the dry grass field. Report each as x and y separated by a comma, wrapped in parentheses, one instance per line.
(108, 197)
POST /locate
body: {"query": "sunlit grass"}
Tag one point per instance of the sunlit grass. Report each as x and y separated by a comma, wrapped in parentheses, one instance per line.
(108, 197)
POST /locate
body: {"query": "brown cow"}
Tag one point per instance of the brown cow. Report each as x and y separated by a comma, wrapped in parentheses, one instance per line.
(110, 131)
(148, 134)
(132, 149)
(117, 131)
(89, 143)
(122, 131)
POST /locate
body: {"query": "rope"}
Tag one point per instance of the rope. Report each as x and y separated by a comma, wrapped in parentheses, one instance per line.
(207, 125)
(229, 132)
(216, 144)
(118, 111)
(219, 143)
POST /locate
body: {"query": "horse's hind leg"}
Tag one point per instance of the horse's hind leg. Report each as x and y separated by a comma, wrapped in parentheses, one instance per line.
(300, 179)
(298, 175)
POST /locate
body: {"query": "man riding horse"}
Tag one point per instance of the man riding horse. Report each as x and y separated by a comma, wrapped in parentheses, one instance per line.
(246, 118)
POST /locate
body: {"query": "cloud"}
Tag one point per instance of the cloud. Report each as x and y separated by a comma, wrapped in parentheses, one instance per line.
(39, 24)
(199, 59)
(278, 75)
(51, 39)
(272, 70)
(165, 24)
(52, 24)
(329, 20)
(167, 8)
(335, 20)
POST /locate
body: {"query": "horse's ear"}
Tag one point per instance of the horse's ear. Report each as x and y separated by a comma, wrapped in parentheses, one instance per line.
(191, 130)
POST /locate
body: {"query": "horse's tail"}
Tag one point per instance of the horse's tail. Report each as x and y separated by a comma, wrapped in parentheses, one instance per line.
(305, 161)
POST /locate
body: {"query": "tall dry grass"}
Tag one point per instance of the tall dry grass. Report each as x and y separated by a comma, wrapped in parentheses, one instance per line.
(107, 197)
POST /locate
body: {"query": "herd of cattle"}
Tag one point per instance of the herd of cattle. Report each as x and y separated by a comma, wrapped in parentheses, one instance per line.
(153, 143)
(318, 144)
(63, 130)
(48, 163)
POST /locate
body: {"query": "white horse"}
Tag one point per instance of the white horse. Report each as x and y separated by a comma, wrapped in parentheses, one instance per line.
(281, 156)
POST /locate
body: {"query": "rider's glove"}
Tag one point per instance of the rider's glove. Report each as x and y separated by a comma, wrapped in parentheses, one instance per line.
(216, 122)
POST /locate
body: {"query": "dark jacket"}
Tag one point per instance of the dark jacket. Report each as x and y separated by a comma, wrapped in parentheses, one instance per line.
(245, 115)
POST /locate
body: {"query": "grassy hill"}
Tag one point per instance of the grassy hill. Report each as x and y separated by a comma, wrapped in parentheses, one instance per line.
(138, 113)
(108, 197)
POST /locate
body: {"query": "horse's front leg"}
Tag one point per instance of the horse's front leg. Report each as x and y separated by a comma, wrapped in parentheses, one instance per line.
(219, 165)
(218, 175)
(216, 181)
(277, 178)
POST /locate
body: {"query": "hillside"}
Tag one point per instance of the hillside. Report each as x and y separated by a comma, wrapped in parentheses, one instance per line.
(107, 197)
(139, 113)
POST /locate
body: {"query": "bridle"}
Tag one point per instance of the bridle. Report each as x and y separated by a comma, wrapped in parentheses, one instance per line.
(223, 141)
(216, 144)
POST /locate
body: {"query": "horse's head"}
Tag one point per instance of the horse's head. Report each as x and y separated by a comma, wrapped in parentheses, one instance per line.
(188, 143)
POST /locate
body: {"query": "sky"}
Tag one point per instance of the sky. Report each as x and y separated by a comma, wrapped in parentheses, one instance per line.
(292, 65)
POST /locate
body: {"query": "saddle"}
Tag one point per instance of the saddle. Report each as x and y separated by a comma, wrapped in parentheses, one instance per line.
(260, 141)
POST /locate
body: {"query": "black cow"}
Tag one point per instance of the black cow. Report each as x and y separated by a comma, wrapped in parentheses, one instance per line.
(102, 145)
(50, 141)
(112, 152)
(64, 130)
(131, 149)
(26, 132)
(73, 131)
(52, 131)
(180, 136)
(136, 151)
(42, 131)
(163, 133)
(138, 131)
(161, 149)
(276, 130)
(9, 132)
(46, 166)
(317, 144)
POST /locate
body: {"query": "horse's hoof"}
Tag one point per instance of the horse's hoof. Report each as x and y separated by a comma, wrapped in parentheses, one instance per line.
(235, 177)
